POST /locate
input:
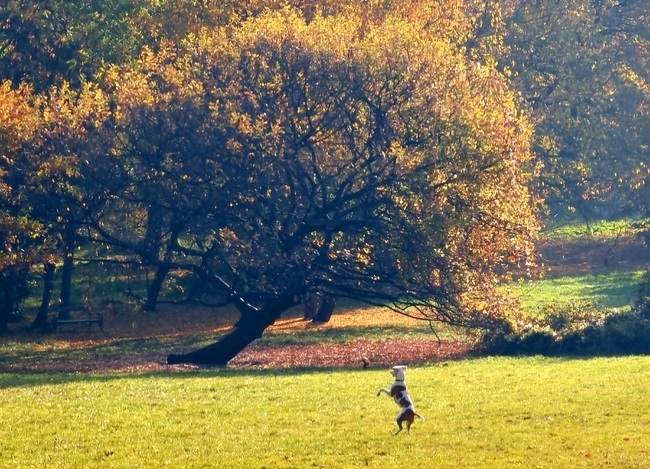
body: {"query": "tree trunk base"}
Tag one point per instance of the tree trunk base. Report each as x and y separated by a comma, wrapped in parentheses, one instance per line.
(311, 305)
(326, 309)
(249, 328)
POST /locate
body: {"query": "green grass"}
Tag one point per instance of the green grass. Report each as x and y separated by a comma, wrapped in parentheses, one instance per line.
(486, 413)
(599, 228)
(607, 291)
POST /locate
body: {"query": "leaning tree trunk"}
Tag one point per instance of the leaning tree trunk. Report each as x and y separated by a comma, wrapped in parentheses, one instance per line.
(251, 326)
(40, 322)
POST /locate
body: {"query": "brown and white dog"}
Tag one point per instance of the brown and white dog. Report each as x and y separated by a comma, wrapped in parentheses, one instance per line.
(399, 393)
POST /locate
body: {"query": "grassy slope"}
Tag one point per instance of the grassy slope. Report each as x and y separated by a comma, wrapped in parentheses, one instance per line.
(486, 413)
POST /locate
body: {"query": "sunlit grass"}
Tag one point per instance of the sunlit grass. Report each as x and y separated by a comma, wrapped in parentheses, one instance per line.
(598, 228)
(484, 413)
(607, 291)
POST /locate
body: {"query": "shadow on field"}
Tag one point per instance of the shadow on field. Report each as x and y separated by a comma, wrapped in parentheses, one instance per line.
(36, 379)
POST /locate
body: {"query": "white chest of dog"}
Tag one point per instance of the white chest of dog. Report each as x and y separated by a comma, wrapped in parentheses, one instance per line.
(400, 394)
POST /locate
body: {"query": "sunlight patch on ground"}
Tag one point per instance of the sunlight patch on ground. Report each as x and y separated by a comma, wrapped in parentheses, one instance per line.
(348, 318)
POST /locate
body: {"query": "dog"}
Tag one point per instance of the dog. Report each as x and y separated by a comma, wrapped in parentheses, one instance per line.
(399, 393)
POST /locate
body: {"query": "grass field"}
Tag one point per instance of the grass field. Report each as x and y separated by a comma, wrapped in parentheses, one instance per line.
(599, 267)
(485, 413)
(613, 290)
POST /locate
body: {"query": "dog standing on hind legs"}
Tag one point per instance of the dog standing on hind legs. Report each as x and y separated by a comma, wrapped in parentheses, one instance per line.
(399, 393)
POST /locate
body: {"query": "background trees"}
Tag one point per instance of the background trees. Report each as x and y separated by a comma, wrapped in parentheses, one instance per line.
(57, 49)
(22, 235)
(582, 67)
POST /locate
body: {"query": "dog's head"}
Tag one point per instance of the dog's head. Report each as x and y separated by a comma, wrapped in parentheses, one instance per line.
(399, 372)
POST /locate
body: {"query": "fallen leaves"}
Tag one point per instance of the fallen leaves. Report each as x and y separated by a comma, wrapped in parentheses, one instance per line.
(382, 353)
(349, 355)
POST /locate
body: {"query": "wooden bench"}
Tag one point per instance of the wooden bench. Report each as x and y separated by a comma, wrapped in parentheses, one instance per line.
(90, 318)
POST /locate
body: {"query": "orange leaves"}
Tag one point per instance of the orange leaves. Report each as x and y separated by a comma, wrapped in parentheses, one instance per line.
(18, 120)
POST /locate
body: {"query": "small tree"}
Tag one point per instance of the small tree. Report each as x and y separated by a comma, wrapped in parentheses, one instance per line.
(642, 300)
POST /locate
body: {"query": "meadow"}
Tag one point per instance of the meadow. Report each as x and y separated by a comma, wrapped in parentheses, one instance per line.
(299, 398)
(484, 413)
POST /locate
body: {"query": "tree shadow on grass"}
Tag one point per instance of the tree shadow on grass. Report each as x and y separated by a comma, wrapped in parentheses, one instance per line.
(31, 379)
(612, 291)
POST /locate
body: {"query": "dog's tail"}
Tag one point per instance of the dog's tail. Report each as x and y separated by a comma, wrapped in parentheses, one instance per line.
(418, 415)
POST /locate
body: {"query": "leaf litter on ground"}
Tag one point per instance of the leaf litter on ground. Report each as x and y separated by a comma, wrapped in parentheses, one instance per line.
(142, 344)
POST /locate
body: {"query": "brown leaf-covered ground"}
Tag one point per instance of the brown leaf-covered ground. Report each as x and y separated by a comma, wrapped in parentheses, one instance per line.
(382, 353)
(64, 351)
(379, 353)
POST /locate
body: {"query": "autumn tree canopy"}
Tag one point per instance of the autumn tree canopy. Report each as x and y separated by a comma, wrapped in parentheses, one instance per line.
(361, 157)
(373, 150)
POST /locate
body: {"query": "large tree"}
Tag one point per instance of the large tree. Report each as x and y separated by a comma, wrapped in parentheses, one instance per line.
(356, 156)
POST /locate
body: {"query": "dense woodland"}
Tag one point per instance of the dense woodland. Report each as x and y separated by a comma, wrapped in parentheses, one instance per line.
(401, 153)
